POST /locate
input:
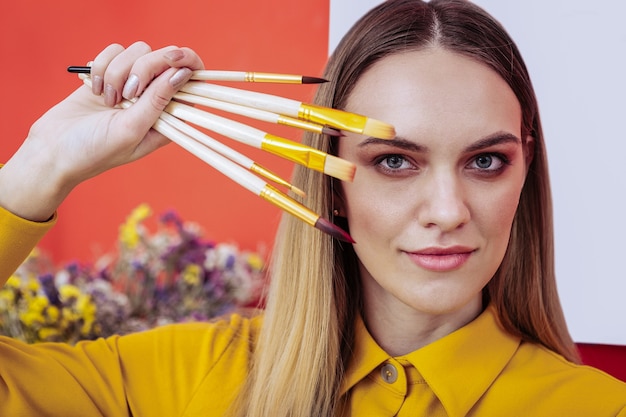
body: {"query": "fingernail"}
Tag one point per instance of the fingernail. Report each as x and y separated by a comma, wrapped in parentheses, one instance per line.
(96, 84)
(174, 55)
(110, 95)
(130, 88)
(180, 77)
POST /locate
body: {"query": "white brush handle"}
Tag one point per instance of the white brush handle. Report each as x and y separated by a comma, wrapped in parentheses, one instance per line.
(208, 141)
(267, 102)
(234, 130)
(217, 75)
(235, 172)
(246, 111)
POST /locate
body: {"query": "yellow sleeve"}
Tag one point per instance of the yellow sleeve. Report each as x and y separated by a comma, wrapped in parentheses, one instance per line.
(17, 238)
(56, 379)
(191, 369)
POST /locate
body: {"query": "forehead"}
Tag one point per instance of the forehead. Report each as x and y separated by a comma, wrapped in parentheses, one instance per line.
(436, 89)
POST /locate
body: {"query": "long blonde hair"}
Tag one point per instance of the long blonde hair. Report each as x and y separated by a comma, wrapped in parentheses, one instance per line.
(314, 296)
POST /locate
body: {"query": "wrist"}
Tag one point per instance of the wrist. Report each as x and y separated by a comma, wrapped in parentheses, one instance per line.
(30, 187)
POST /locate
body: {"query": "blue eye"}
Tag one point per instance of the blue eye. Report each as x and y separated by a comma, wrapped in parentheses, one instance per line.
(394, 165)
(484, 161)
(394, 161)
(489, 162)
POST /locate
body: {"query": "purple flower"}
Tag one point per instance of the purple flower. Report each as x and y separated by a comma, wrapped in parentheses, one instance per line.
(50, 289)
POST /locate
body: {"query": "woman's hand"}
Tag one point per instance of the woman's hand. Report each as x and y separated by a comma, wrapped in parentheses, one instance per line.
(85, 134)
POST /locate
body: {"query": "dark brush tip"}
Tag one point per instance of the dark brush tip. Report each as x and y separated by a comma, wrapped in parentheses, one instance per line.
(330, 131)
(79, 70)
(312, 80)
(333, 230)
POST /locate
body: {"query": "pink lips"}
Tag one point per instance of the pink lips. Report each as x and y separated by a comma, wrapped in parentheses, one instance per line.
(441, 259)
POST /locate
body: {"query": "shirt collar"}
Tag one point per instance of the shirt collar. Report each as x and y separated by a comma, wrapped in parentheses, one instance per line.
(459, 367)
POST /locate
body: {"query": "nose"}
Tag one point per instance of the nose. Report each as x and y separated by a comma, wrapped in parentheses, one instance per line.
(443, 202)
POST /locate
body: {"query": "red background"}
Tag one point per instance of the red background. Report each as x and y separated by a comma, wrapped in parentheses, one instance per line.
(40, 39)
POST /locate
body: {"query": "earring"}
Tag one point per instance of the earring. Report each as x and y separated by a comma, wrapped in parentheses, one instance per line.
(336, 212)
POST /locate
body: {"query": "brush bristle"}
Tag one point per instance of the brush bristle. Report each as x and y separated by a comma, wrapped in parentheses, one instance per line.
(333, 230)
(327, 130)
(377, 129)
(339, 168)
(313, 80)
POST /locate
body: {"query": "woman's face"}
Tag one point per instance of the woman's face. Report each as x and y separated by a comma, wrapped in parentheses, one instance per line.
(431, 211)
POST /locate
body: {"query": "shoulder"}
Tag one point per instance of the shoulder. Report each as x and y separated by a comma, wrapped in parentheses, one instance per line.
(584, 388)
(189, 362)
(212, 338)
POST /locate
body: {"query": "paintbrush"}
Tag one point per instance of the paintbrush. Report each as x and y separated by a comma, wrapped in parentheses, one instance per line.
(228, 152)
(285, 148)
(339, 119)
(255, 113)
(251, 182)
(243, 177)
(243, 76)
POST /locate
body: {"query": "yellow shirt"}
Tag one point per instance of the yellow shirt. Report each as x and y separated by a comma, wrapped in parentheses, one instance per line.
(196, 369)
(478, 370)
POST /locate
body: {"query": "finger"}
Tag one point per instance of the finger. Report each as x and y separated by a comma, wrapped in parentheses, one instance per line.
(143, 70)
(145, 67)
(118, 70)
(183, 57)
(99, 65)
(141, 116)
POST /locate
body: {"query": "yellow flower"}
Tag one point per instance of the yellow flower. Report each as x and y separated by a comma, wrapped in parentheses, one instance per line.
(47, 333)
(141, 212)
(53, 314)
(68, 315)
(34, 313)
(85, 306)
(255, 262)
(7, 296)
(32, 284)
(87, 310)
(13, 282)
(38, 303)
(68, 292)
(129, 234)
(191, 274)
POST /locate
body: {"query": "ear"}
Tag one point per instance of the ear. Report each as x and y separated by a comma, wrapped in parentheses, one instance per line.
(529, 150)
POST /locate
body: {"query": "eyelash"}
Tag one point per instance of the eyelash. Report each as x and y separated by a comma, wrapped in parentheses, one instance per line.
(496, 156)
(504, 162)
(378, 162)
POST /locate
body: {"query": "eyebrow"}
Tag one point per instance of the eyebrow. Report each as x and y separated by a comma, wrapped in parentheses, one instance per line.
(397, 142)
(493, 139)
(405, 144)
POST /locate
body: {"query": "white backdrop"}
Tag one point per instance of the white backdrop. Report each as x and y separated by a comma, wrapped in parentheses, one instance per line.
(576, 54)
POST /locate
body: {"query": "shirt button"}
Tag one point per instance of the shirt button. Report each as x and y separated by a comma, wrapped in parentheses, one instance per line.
(389, 373)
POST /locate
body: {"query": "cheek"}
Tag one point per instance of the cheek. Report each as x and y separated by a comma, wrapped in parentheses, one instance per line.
(369, 213)
(495, 214)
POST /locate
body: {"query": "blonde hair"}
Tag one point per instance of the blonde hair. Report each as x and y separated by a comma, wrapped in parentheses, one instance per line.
(314, 296)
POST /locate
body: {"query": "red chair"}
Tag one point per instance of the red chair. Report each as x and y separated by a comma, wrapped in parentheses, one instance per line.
(609, 358)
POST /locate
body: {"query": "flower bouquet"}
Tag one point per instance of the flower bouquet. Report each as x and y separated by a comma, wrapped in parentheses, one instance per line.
(156, 277)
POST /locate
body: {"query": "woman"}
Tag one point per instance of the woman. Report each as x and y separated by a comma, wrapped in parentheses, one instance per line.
(445, 306)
